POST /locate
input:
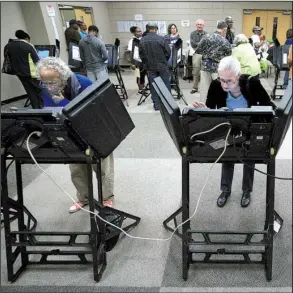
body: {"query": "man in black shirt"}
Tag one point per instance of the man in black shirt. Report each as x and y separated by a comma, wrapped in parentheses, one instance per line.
(155, 53)
(23, 57)
(229, 35)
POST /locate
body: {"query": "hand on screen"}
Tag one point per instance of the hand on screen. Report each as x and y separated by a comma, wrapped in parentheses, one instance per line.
(198, 104)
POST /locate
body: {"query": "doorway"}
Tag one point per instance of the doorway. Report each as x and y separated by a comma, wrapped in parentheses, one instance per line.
(275, 23)
(84, 14)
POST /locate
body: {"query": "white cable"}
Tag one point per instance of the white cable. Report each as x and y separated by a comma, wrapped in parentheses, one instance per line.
(120, 229)
(207, 131)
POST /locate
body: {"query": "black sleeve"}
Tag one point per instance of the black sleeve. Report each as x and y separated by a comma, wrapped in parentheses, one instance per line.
(34, 55)
(142, 54)
(258, 92)
(167, 50)
(212, 95)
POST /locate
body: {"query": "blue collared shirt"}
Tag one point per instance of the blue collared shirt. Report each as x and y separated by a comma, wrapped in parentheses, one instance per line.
(233, 103)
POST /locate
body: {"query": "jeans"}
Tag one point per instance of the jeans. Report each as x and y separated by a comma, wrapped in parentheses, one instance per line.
(227, 177)
(165, 75)
(286, 78)
(98, 74)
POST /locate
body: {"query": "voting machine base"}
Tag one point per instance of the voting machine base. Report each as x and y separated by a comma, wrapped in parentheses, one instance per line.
(101, 237)
(219, 136)
(145, 93)
(259, 244)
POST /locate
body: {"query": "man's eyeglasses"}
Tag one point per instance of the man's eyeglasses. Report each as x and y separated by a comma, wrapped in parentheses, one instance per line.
(227, 81)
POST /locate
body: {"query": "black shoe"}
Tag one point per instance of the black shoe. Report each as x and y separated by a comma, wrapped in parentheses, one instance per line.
(194, 91)
(222, 199)
(184, 77)
(245, 200)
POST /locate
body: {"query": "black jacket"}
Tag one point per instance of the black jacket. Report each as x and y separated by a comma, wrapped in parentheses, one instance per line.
(154, 52)
(23, 57)
(257, 95)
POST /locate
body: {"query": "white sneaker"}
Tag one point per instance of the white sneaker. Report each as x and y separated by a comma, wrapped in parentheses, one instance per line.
(76, 206)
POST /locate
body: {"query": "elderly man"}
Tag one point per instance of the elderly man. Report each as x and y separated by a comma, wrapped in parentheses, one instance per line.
(195, 38)
(213, 48)
(60, 85)
(155, 53)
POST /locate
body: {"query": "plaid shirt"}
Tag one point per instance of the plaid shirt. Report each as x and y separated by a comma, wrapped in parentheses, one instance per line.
(213, 48)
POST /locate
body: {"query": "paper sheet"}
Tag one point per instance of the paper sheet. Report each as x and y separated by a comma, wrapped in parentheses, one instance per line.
(136, 54)
(137, 72)
(162, 27)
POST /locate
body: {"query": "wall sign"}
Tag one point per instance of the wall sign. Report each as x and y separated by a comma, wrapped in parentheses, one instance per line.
(138, 17)
(185, 23)
(50, 10)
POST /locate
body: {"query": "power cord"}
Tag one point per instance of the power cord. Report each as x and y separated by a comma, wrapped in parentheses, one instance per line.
(264, 173)
(120, 229)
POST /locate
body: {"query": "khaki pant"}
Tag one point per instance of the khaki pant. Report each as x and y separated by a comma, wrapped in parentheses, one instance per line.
(196, 63)
(79, 178)
(206, 79)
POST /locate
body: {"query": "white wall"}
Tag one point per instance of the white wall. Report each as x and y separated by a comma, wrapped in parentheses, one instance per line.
(11, 20)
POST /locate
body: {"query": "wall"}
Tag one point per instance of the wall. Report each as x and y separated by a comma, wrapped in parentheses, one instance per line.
(11, 20)
(174, 12)
(33, 17)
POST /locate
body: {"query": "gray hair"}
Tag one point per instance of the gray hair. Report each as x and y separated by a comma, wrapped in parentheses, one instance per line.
(240, 39)
(229, 63)
(199, 20)
(55, 64)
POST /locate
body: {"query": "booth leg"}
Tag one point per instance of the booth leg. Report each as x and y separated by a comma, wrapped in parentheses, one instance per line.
(21, 225)
(97, 238)
(185, 217)
(269, 225)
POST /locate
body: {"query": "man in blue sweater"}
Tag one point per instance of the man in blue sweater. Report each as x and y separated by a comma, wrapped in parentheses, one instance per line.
(60, 85)
(93, 54)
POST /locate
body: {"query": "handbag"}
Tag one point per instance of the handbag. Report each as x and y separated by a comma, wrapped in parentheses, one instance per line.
(7, 65)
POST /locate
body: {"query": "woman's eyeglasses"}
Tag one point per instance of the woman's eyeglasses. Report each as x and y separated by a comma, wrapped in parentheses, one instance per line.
(50, 84)
(227, 81)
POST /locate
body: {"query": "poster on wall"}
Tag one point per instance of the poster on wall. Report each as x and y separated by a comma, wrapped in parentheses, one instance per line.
(138, 17)
(162, 27)
(185, 23)
(50, 10)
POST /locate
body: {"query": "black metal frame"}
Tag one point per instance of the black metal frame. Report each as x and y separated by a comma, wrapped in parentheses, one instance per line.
(277, 86)
(120, 86)
(175, 85)
(101, 237)
(188, 243)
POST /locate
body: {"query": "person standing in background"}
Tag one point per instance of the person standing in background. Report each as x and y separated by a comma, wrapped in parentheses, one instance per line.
(23, 57)
(71, 33)
(93, 54)
(140, 79)
(195, 38)
(155, 53)
(229, 35)
(213, 48)
(245, 54)
(290, 66)
(289, 36)
(82, 29)
(173, 35)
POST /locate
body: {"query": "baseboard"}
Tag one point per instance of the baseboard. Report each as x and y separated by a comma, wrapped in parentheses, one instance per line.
(11, 100)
